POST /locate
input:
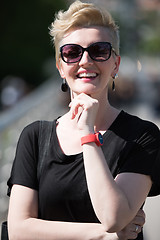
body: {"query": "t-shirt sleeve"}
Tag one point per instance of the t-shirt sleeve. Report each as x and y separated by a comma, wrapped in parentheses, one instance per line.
(24, 169)
(142, 156)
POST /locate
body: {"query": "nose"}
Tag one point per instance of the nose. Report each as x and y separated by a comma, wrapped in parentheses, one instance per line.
(85, 60)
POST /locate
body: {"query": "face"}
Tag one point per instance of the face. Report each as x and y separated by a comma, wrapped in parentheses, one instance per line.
(86, 75)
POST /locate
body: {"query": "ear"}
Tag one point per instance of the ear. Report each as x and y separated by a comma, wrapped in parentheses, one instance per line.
(117, 64)
(60, 69)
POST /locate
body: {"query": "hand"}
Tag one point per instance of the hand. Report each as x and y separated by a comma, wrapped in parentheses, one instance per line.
(84, 109)
(133, 228)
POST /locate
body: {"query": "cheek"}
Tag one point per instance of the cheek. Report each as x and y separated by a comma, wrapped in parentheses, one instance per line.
(69, 71)
(107, 68)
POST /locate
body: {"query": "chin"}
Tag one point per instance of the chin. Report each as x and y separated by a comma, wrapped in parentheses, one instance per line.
(87, 90)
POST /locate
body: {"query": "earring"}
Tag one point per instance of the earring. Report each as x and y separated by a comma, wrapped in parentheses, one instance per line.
(64, 86)
(113, 83)
(113, 86)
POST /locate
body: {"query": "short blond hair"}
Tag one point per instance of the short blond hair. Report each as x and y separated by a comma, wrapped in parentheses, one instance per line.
(82, 15)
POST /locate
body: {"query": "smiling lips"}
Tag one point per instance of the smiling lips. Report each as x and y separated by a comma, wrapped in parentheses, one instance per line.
(87, 75)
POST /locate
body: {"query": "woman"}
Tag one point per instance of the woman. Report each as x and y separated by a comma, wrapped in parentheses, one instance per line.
(100, 163)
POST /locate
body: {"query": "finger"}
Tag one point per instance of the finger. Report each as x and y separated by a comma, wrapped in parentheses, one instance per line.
(139, 220)
(141, 213)
(128, 232)
(137, 228)
(76, 108)
(133, 235)
(81, 101)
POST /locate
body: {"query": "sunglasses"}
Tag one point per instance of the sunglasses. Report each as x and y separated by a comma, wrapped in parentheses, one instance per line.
(99, 51)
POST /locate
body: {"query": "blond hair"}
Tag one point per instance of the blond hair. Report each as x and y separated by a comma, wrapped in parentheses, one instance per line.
(82, 15)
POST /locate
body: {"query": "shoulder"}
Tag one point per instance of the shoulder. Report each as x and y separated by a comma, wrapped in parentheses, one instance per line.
(134, 120)
(30, 131)
(134, 126)
(34, 128)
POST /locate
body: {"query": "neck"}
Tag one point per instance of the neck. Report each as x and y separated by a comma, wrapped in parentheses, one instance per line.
(105, 116)
(106, 113)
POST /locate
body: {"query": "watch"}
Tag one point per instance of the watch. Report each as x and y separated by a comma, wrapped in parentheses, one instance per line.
(95, 137)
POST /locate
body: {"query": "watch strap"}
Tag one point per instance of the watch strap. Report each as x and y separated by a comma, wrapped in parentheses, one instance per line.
(92, 138)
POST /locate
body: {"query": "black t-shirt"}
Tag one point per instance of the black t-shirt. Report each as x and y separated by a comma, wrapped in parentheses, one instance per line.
(130, 145)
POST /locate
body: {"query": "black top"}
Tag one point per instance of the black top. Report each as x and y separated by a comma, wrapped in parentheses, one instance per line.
(130, 145)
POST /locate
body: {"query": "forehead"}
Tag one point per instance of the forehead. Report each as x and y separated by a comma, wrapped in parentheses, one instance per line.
(86, 36)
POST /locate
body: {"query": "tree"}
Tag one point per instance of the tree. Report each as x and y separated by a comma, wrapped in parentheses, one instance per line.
(25, 42)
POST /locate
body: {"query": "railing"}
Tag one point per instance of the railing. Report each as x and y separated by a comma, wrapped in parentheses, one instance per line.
(43, 103)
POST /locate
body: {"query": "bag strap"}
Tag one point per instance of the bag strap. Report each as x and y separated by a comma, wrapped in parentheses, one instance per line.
(4, 231)
(45, 131)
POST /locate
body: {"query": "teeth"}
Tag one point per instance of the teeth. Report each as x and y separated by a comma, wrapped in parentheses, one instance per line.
(87, 75)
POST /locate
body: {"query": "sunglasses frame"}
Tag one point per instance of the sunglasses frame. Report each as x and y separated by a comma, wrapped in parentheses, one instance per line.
(87, 49)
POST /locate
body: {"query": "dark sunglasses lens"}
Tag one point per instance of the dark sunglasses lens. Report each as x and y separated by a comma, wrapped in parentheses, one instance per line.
(100, 51)
(71, 53)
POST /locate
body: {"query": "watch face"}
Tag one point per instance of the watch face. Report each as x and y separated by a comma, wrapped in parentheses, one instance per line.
(100, 138)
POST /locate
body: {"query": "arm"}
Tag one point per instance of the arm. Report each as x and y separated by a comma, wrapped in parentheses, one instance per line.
(132, 230)
(121, 197)
(24, 224)
(126, 193)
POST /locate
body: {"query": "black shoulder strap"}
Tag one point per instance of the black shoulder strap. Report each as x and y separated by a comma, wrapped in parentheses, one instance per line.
(45, 131)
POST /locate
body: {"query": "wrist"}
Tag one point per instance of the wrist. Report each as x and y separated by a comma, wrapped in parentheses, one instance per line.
(97, 138)
(86, 132)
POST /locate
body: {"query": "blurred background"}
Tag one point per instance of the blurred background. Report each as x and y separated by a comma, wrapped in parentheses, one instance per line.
(30, 84)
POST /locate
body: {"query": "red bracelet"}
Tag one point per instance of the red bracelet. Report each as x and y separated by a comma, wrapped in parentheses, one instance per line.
(96, 137)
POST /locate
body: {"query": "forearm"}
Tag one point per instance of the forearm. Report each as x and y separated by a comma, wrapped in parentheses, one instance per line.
(36, 229)
(23, 222)
(109, 202)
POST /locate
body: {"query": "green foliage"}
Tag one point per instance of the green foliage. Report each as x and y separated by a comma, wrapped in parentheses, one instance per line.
(149, 32)
(139, 32)
(25, 42)
(151, 46)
